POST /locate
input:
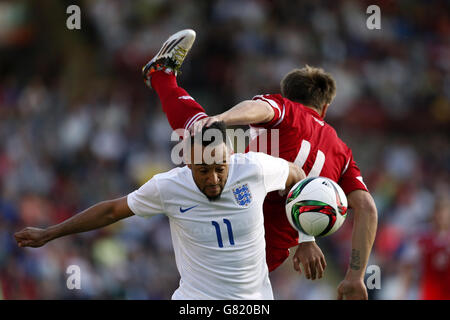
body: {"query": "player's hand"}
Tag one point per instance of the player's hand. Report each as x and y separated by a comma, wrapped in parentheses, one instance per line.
(205, 122)
(352, 289)
(311, 257)
(31, 237)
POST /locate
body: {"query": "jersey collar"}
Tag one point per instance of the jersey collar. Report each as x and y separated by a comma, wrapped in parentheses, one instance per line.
(313, 112)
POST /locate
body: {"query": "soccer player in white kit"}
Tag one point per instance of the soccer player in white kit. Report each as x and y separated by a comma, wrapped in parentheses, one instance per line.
(215, 214)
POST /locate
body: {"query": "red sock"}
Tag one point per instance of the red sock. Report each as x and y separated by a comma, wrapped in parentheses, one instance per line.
(180, 108)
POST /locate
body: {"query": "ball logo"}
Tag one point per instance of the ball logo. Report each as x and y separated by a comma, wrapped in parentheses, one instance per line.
(242, 195)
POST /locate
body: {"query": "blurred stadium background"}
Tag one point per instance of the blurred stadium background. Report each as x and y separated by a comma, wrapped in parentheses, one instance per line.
(78, 126)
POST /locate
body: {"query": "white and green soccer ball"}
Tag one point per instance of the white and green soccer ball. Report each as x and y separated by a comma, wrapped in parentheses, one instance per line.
(316, 206)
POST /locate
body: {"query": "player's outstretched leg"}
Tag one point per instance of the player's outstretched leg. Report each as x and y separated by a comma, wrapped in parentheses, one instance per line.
(160, 74)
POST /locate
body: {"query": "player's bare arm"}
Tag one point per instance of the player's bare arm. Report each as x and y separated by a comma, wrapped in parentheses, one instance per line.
(363, 236)
(295, 175)
(97, 216)
(244, 113)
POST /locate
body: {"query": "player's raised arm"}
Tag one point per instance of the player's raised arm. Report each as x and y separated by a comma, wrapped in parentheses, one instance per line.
(245, 112)
(248, 112)
(97, 216)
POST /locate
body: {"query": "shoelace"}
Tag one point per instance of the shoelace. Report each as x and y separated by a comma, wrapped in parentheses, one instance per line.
(178, 55)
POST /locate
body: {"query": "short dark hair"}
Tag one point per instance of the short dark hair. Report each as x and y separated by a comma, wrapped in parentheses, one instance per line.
(218, 125)
(309, 86)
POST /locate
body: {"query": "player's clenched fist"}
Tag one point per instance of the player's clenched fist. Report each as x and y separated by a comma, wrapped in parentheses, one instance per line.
(31, 237)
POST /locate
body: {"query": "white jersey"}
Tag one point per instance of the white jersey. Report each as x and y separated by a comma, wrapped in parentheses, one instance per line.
(219, 245)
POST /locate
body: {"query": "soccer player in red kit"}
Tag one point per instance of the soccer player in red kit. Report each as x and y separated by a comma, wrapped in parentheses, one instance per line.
(429, 256)
(304, 138)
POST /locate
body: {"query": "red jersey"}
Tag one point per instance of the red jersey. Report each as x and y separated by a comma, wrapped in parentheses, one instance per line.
(307, 140)
(435, 261)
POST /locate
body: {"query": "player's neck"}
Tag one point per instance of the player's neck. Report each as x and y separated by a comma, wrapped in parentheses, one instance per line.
(319, 112)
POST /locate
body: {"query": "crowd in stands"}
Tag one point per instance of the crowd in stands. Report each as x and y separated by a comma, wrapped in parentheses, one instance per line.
(78, 126)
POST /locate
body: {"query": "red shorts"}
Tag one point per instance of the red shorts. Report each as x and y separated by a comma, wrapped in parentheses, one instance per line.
(275, 257)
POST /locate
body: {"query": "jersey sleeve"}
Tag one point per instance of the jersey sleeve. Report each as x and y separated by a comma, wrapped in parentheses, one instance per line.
(275, 171)
(277, 104)
(146, 201)
(351, 178)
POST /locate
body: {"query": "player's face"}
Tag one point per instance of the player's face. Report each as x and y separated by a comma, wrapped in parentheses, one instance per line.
(441, 218)
(211, 178)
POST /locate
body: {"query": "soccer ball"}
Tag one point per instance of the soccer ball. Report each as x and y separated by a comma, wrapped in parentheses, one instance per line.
(316, 206)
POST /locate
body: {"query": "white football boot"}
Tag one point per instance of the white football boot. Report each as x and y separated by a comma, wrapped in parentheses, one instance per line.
(171, 55)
